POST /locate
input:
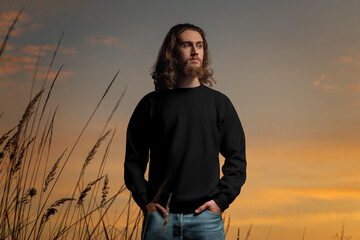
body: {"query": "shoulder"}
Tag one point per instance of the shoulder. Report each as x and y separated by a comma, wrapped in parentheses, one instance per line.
(154, 95)
(219, 97)
(148, 101)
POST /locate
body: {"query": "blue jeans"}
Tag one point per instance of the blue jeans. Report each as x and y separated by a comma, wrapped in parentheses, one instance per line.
(204, 226)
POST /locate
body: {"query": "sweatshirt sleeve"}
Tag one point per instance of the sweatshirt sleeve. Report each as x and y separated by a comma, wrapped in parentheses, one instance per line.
(233, 149)
(137, 153)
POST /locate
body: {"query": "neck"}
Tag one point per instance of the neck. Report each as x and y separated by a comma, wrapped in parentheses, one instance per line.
(188, 81)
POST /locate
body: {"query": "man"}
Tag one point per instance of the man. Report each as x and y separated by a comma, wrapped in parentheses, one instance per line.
(185, 125)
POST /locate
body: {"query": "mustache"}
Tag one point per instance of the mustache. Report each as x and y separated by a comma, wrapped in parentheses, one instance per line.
(195, 58)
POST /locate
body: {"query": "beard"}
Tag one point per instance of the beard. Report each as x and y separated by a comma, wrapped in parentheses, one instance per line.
(193, 70)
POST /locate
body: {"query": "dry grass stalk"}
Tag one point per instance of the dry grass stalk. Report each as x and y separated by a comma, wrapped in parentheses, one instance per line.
(52, 210)
(29, 111)
(52, 172)
(268, 236)
(30, 193)
(248, 232)
(136, 225)
(14, 140)
(17, 165)
(3, 45)
(93, 151)
(115, 108)
(342, 234)
(52, 61)
(86, 190)
(105, 190)
(227, 225)
(6, 135)
(303, 237)
(166, 215)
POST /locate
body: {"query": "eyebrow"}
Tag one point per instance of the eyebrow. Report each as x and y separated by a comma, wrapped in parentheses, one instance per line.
(192, 42)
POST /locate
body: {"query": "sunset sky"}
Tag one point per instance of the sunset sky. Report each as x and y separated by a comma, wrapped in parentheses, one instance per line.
(291, 69)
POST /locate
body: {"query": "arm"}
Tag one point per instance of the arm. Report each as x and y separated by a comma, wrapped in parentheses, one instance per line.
(233, 149)
(137, 154)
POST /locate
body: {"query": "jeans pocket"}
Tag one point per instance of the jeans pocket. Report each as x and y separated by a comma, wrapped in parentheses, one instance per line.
(215, 214)
(151, 213)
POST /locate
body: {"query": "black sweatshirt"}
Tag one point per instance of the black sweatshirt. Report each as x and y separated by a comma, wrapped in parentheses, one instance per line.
(184, 130)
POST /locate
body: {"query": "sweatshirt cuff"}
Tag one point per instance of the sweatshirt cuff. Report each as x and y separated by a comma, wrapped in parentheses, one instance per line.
(141, 200)
(222, 201)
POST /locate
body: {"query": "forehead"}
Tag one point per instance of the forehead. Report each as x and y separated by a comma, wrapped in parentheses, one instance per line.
(190, 36)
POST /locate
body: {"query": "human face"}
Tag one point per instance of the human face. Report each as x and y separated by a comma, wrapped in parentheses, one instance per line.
(190, 49)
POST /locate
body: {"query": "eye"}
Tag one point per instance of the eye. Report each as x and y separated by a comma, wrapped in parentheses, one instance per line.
(199, 45)
(186, 45)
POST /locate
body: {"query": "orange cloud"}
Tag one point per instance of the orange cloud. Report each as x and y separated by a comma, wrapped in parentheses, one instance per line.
(64, 75)
(9, 47)
(324, 76)
(13, 84)
(298, 219)
(34, 50)
(42, 71)
(317, 193)
(355, 87)
(100, 39)
(329, 87)
(36, 26)
(7, 18)
(346, 59)
(68, 50)
(13, 64)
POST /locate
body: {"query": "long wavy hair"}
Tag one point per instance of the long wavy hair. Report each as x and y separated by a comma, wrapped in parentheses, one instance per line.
(165, 71)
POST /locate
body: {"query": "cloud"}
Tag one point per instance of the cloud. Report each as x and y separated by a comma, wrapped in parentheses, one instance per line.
(64, 75)
(100, 39)
(295, 206)
(68, 50)
(10, 47)
(13, 64)
(329, 87)
(296, 196)
(12, 84)
(317, 193)
(342, 75)
(346, 59)
(34, 50)
(22, 25)
(42, 71)
(355, 87)
(298, 219)
(324, 76)
(36, 26)
(7, 18)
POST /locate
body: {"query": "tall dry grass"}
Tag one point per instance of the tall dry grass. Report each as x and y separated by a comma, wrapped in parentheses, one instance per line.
(29, 177)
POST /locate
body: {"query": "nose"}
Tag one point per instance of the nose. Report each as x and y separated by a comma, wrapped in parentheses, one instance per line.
(194, 50)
